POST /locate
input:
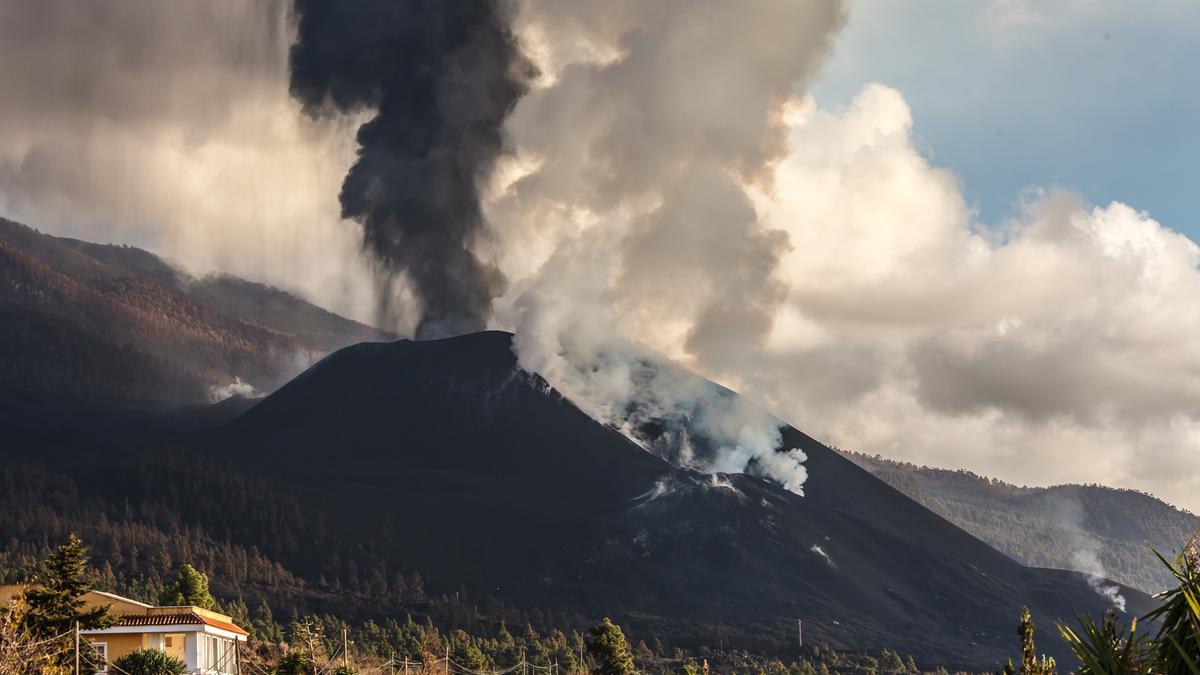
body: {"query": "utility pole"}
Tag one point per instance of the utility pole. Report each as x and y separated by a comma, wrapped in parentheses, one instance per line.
(345, 654)
(77, 648)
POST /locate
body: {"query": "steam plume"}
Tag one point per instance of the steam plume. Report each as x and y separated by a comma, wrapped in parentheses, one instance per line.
(442, 77)
(1086, 555)
(638, 153)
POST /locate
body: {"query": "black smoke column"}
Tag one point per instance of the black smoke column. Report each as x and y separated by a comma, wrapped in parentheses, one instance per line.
(443, 75)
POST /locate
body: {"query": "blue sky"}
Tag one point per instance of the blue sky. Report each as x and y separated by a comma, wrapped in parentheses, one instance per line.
(1097, 97)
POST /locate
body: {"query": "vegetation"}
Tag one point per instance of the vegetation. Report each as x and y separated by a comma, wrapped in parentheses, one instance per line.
(1104, 649)
(190, 588)
(1177, 644)
(607, 646)
(56, 600)
(149, 662)
(20, 650)
(1030, 663)
(313, 642)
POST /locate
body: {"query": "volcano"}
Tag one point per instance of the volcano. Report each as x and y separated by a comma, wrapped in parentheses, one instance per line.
(446, 454)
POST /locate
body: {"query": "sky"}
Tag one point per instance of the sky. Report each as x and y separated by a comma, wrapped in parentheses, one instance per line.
(1087, 95)
(953, 233)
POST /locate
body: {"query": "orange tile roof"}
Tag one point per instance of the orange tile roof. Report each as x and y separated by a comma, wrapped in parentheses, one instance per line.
(179, 619)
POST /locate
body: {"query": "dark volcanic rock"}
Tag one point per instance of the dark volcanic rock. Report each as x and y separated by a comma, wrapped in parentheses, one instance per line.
(447, 456)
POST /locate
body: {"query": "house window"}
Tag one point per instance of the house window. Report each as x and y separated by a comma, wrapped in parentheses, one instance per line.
(216, 654)
(101, 652)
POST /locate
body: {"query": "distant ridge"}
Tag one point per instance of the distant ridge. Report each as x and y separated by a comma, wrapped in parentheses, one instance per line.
(1050, 527)
(119, 326)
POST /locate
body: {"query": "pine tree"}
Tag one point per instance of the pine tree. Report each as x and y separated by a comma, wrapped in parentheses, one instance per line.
(606, 644)
(189, 588)
(56, 603)
(889, 662)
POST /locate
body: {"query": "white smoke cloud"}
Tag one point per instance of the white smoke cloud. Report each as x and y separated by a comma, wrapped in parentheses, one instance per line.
(1086, 560)
(634, 157)
(823, 267)
(217, 394)
(1085, 555)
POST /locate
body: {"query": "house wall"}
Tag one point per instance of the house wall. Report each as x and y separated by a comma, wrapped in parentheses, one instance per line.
(120, 645)
(116, 605)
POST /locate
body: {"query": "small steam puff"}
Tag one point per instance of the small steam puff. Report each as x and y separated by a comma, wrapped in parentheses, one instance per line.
(670, 412)
(1070, 513)
(1088, 562)
(236, 388)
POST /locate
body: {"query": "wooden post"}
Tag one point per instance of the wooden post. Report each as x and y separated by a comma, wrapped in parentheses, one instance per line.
(345, 654)
(76, 648)
(800, 631)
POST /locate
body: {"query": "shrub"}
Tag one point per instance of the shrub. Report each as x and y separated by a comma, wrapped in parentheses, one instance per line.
(149, 662)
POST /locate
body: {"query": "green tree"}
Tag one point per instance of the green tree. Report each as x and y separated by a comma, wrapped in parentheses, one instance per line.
(149, 662)
(56, 602)
(292, 663)
(1103, 649)
(263, 626)
(464, 651)
(189, 588)
(1177, 644)
(606, 644)
(889, 662)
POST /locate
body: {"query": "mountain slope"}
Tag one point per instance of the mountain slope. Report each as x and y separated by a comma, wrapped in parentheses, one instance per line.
(1065, 526)
(118, 325)
(446, 455)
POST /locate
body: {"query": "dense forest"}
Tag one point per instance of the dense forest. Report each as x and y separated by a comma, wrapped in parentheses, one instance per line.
(1090, 528)
(35, 638)
(145, 559)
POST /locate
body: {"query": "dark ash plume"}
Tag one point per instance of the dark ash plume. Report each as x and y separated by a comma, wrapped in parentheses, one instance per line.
(443, 75)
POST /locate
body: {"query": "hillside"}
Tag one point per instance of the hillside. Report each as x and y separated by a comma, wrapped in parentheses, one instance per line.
(441, 459)
(1062, 527)
(472, 472)
(119, 326)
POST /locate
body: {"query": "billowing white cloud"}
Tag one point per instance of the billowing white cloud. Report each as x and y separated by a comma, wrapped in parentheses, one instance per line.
(1055, 348)
(626, 217)
(860, 300)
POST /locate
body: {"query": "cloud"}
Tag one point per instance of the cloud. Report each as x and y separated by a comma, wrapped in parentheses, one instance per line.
(860, 299)
(671, 190)
(633, 156)
(168, 125)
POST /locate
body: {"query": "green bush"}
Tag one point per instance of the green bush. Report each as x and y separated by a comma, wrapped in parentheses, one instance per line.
(149, 662)
(1177, 644)
(293, 663)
